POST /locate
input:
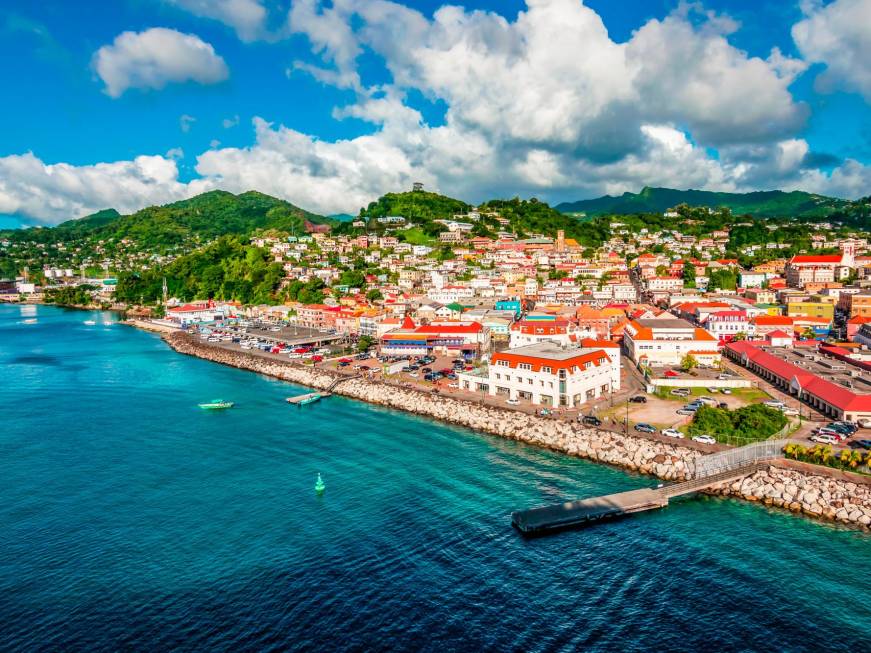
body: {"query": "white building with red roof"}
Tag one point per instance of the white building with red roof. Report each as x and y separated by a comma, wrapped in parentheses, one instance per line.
(546, 374)
(804, 269)
(661, 342)
(467, 339)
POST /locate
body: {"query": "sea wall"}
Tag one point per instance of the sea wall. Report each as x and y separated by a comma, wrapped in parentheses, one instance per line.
(800, 490)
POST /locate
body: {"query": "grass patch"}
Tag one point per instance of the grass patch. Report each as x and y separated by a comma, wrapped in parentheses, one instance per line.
(416, 236)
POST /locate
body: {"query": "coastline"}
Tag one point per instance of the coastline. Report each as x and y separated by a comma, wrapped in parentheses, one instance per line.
(815, 491)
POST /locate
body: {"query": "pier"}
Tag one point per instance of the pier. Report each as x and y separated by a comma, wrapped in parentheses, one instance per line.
(723, 467)
(611, 506)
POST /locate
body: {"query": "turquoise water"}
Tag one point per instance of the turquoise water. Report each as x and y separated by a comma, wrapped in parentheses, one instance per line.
(132, 520)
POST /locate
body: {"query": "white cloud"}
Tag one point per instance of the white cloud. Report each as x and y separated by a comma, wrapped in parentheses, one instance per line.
(175, 153)
(53, 193)
(838, 35)
(154, 58)
(227, 123)
(185, 122)
(547, 105)
(247, 17)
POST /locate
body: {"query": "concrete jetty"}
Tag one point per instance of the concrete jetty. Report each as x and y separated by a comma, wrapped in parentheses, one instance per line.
(561, 516)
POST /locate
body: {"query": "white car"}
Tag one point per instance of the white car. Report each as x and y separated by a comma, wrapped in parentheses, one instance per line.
(704, 439)
(708, 400)
(672, 433)
(824, 438)
(512, 402)
(726, 391)
(774, 403)
(713, 390)
(453, 385)
(786, 410)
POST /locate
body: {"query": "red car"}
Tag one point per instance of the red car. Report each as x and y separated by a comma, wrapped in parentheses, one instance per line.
(317, 359)
(671, 374)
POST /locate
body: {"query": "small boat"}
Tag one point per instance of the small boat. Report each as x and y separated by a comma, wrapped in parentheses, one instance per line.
(216, 404)
(90, 322)
(319, 485)
(108, 323)
(31, 320)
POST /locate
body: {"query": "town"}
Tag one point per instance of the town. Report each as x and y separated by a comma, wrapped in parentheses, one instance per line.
(656, 330)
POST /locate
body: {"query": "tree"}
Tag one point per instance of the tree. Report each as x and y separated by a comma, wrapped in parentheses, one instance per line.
(689, 362)
(808, 333)
(374, 295)
(689, 274)
(364, 343)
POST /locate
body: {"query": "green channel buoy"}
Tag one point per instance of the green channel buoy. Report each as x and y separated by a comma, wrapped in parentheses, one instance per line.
(319, 485)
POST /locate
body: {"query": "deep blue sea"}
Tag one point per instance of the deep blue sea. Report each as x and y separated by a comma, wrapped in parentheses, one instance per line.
(132, 520)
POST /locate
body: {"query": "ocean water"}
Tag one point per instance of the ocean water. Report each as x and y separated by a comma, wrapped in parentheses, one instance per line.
(132, 520)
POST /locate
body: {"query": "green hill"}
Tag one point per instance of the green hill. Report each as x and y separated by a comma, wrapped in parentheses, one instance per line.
(763, 204)
(415, 206)
(198, 219)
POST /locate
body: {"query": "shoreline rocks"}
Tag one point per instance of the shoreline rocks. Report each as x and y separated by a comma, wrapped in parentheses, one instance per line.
(799, 491)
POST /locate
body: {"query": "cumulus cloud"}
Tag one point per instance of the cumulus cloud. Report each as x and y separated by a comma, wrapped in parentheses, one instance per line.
(838, 35)
(547, 104)
(247, 17)
(53, 193)
(154, 58)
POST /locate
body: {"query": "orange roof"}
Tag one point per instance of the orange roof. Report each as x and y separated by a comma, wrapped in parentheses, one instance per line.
(537, 362)
(591, 342)
(772, 320)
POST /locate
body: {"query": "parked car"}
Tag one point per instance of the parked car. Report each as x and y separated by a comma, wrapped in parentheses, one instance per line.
(512, 402)
(645, 428)
(705, 439)
(672, 433)
(638, 399)
(591, 420)
(681, 392)
(823, 438)
(852, 428)
(723, 377)
(726, 391)
(686, 411)
(864, 423)
(723, 404)
(861, 444)
(774, 403)
(707, 400)
(786, 410)
(713, 390)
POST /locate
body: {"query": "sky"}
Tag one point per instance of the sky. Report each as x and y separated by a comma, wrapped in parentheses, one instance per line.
(330, 104)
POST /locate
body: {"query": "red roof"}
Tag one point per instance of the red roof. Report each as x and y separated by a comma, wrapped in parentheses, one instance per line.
(408, 323)
(451, 327)
(831, 393)
(809, 258)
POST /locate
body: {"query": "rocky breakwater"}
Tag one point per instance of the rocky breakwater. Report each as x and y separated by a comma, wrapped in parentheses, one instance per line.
(649, 456)
(808, 489)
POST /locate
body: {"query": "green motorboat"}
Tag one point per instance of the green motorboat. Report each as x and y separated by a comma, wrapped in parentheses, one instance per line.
(216, 404)
(319, 485)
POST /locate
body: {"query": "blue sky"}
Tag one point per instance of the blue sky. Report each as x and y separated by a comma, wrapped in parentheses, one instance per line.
(658, 92)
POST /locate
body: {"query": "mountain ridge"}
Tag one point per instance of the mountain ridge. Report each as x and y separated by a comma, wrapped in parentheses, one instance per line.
(763, 204)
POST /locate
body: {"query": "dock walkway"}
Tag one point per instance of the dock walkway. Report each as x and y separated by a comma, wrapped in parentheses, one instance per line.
(576, 513)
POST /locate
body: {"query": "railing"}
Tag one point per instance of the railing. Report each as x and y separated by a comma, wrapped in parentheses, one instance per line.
(741, 457)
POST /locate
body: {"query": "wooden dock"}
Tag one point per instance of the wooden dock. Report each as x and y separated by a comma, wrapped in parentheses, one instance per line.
(536, 521)
(298, 399)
